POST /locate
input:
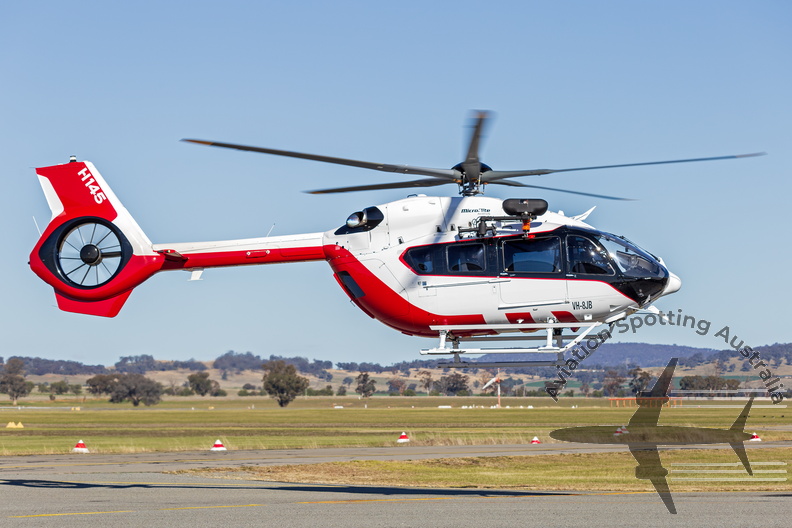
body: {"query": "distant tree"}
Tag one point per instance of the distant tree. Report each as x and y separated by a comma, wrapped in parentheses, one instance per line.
(282, 382)
(316, 367)
(76, 389)
(365, 385)
(397, 384)
(348, 381)
(613, 382)
(216, 391)
(718, 367)
(14, 367)
(732, 384)
(59, 387)
(39, 366)
(136, 364)
(101, 383)
(137, 389)
(341, 391)
(640, 380)
(585, 389)
(508, 385)
(427, 382)
(238, 361)
(12, 381)
(452, 384)
(200, 383)
(327, 391)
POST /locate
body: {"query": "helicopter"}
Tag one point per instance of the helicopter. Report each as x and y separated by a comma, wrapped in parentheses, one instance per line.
(464, 269)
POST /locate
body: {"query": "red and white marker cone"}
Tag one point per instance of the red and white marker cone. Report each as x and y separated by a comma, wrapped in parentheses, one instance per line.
(754, 438)
(536, 440)
(80, 448)
(403, 439)
(218, 446)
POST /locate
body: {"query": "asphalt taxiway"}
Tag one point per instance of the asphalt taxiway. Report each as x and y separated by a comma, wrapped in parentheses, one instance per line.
(134, 490)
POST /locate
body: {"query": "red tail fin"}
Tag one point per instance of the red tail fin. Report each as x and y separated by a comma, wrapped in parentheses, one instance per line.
(92, 252)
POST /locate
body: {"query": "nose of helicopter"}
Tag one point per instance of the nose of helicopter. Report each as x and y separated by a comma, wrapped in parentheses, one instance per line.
(673, 284)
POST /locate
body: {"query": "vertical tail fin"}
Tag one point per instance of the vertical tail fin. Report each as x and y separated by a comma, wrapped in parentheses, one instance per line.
(92, 251)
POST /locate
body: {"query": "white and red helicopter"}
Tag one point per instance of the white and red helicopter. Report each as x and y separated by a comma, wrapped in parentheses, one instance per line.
(462, 269)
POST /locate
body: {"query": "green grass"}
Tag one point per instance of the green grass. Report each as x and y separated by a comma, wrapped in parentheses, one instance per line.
(184, 425)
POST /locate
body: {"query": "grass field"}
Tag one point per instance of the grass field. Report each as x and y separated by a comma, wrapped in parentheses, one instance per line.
(257, 423)
(580, 472)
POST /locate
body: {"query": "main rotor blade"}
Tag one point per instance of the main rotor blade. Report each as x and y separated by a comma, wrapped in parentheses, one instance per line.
(427, 182)
(472, 163)
(491, 176)
(448, 174)
(518, 184)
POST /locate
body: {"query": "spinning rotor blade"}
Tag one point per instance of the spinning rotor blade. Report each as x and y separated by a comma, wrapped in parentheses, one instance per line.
(448, 174)
(518, 184)
(472, 164)
(492, 176)
(426, 182)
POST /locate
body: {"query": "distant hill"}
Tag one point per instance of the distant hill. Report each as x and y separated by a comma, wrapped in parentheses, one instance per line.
(643, 354)
(648, 355)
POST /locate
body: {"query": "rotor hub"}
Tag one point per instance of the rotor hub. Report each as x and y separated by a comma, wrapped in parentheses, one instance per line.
(91, 255)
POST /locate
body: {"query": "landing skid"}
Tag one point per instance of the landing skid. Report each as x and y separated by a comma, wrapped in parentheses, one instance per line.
(554, 343)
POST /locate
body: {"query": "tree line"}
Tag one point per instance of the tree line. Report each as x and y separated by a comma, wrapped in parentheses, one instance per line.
(612, 353)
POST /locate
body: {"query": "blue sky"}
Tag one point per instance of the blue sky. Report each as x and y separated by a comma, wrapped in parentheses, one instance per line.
(572, 84)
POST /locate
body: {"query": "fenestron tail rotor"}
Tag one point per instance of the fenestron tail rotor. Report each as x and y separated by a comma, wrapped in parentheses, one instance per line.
(89, 254)
(471, 175)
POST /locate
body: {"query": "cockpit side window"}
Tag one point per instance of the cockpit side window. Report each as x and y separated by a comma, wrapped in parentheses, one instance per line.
(587, 258)
(631, 261)
(536, 255)
(466, 257)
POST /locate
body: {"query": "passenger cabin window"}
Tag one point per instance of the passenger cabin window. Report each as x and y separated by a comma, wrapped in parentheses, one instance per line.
(533, 255)
(587, 258)
(421, 259)
(466, 257)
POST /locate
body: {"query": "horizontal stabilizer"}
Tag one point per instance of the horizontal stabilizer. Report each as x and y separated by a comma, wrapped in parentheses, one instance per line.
(739, 425)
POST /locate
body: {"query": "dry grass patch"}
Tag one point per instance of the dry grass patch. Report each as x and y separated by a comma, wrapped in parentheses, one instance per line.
(585, 472)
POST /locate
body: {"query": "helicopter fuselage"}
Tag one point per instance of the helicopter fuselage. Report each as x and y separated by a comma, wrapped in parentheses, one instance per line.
(413, 269)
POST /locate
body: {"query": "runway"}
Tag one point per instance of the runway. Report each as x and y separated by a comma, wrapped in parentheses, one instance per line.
(132, 490)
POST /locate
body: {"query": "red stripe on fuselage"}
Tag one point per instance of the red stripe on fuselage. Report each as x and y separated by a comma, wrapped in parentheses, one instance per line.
(387, 306)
